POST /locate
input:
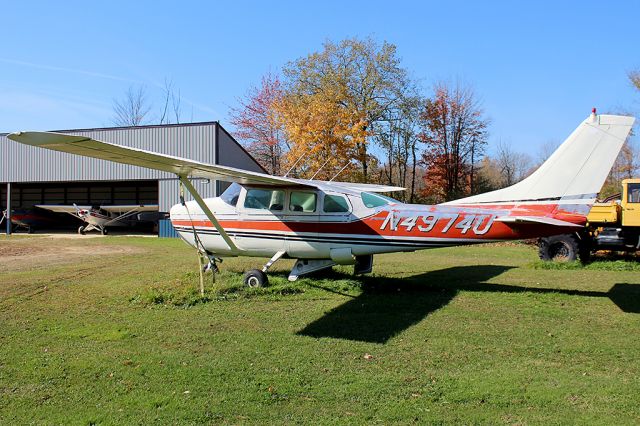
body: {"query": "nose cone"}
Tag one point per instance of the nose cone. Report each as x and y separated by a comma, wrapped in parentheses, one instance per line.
(177, 212)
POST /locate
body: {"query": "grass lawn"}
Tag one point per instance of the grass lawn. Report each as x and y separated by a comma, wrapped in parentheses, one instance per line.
(111, 331)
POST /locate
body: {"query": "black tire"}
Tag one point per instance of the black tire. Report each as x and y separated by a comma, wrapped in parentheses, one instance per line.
(29, 230)
(584, 250)
(104, 231)
(561, 248)
(255, 278)
(81, 230)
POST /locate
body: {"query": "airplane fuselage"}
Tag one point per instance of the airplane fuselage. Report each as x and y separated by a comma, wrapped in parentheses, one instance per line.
(364, 227)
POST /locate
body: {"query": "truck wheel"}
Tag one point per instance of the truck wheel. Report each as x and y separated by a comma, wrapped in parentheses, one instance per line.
(584, 251)
(561, 248)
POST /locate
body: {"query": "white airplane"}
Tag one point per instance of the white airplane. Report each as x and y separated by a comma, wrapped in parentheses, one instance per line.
(99, 218)
(322, 224)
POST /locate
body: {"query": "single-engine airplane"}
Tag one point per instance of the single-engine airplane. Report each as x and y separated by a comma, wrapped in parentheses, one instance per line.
(29, 219)
(99, 218)
(322, 223)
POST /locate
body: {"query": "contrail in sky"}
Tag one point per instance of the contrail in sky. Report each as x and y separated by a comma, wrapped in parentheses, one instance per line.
(197, 105)
(71, 70)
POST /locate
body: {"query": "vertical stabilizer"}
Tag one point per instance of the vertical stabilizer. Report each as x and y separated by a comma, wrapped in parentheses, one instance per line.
(576, 170)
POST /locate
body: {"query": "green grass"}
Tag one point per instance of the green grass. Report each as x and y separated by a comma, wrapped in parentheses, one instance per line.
(461, 335)
(600, 265)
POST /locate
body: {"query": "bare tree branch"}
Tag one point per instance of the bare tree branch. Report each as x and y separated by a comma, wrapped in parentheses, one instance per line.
(132, 110)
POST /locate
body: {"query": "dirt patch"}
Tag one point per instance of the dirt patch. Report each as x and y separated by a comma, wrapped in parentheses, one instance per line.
(25, 254)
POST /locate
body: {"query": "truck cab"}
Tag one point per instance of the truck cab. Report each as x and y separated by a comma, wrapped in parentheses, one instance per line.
(630, 202)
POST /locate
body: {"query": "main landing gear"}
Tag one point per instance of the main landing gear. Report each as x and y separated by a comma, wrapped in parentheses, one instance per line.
(83, 229)
(258, 278)
(255, 278)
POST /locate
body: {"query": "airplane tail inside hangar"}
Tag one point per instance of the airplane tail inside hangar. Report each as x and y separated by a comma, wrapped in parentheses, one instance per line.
(30, 176)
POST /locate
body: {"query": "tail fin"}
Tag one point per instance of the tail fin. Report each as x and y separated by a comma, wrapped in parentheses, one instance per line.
(576, 170)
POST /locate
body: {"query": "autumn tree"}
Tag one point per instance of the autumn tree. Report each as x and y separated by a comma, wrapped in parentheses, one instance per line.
(258, 125)
(133, 108)
(323, 134)
(454, 131)
(358, 82)
(634, 77)
(488, 176)
(626, 166)
(397, 135)
(513, 165)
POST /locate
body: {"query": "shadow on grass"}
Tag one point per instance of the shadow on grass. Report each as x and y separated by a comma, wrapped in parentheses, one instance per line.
(388, 306)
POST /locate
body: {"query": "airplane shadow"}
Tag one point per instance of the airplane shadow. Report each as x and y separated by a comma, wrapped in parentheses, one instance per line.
(388, 306)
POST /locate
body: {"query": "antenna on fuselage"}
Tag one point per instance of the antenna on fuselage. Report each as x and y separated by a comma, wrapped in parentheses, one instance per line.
(341, 170)
(294, 165)
(325, 163)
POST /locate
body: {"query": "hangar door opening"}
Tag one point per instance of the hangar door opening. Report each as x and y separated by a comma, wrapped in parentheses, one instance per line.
(24, 196)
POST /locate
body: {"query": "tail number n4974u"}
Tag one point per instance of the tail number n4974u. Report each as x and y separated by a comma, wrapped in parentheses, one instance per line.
(479, 224)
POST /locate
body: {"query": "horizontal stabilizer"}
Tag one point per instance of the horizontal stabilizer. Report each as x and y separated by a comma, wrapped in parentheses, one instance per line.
(536, 220)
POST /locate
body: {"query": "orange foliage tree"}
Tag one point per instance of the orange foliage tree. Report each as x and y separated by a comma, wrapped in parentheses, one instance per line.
(324, 136)
(333, 99)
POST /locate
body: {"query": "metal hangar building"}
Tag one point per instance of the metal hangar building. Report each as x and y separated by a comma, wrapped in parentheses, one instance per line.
(31, 175)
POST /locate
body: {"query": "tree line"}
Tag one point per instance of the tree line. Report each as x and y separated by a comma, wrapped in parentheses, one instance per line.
(351, 112)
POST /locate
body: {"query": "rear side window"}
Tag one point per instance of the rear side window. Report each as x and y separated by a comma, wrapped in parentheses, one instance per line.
(303, 202)
(266, 199)
(335, 204)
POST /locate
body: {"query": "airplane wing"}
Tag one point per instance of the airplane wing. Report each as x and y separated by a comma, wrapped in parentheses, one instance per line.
(88, 147)
(523, 220)
(130, 208)
(62, 209)
(360, 187)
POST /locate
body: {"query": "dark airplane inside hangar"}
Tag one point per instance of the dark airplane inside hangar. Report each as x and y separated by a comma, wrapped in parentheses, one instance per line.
(32, 177)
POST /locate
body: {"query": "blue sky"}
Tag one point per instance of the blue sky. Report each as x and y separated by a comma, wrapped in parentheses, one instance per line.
(539, 67)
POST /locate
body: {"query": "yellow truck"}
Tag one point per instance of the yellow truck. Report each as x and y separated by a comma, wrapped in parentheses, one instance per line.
(613, 224)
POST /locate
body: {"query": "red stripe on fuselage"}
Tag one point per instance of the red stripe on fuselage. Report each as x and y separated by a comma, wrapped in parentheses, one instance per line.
(450, 222)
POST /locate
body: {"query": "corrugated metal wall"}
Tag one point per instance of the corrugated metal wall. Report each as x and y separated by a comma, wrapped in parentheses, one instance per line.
(169, 191)
(21, 163)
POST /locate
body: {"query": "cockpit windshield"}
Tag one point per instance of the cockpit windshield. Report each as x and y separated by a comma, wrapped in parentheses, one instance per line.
(231, 195)
(376, 200)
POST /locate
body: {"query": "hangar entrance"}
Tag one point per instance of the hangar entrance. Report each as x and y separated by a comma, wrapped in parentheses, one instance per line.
(27, 195)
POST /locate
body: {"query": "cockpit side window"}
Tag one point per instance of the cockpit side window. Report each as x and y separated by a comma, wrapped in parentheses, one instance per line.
(231, 194)
(266, 199)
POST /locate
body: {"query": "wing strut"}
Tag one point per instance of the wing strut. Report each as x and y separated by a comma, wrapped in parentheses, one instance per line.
(185, 181)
